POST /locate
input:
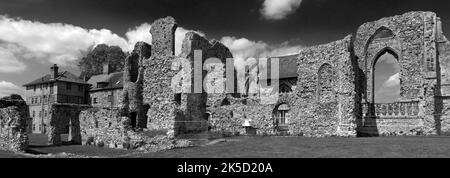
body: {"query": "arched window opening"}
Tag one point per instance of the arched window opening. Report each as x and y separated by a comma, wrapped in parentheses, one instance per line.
(386, 78)
(383, 32)
(281, 115)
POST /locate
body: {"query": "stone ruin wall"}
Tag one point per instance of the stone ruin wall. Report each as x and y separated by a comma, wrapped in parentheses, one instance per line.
(158, 75)
(334, 115)
(415, 43)
(325, 94)
(133, 78)
(64, 119)
(334, 110)
(14, 121)
(107, 128)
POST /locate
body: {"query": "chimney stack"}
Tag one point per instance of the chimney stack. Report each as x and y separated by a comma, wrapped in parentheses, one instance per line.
(54, 69)
(106, 68)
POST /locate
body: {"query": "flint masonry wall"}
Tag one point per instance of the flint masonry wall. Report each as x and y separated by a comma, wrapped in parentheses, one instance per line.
(210, 83)
(414, 41)
(107, 128)
(158, 76)
(13, 125)
(132, 99)
(64, 118)
(325, 93)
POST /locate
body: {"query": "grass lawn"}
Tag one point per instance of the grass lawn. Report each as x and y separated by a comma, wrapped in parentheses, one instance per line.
(274, 147)
(298, 147)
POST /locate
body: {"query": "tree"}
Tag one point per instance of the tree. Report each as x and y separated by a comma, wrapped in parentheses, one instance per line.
(92, 63)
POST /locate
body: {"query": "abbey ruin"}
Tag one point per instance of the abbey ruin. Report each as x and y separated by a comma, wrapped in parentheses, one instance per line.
(329, 92)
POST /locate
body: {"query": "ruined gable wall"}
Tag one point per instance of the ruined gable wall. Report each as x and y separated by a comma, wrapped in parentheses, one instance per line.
(414, 42)
(14, 116)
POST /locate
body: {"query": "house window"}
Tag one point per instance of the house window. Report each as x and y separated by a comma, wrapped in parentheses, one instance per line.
(40, 113)
(80, 87)
(68, 86)
(94, 100)
(34, 114)
(51, 88)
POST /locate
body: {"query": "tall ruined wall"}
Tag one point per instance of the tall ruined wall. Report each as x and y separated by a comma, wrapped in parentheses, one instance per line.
(132, 98)
(326, 91)
(14, 116)
(413, 42)
(158, 75)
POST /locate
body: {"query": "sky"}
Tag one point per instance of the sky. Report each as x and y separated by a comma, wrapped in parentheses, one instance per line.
(34, 34)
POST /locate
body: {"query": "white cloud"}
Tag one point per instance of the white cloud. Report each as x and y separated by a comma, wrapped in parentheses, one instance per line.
(243, 49)
(389, 91)
(53, 42)
(279, 9)
(8, 61)
(8, 88)
(63, 44)
(393, 81)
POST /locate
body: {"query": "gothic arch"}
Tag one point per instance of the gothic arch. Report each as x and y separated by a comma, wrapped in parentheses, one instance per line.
(371, 76)
(379, 34)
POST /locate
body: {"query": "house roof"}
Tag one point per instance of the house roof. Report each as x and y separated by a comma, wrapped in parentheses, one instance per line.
(64, 76)
(287, 67)
(112, 81)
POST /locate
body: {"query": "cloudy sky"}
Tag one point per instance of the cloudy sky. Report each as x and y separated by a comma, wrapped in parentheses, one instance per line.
(37, 33)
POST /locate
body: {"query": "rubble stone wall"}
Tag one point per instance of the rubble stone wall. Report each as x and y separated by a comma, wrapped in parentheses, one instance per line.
(14, 117)
(325, 93)
(107, 128)
(415, 43)
(158, 76)
(64, 118)
(132, 99)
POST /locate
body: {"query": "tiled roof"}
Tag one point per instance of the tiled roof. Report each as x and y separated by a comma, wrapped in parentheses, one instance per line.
(287, 67)
(112, 81)
(62, 76)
